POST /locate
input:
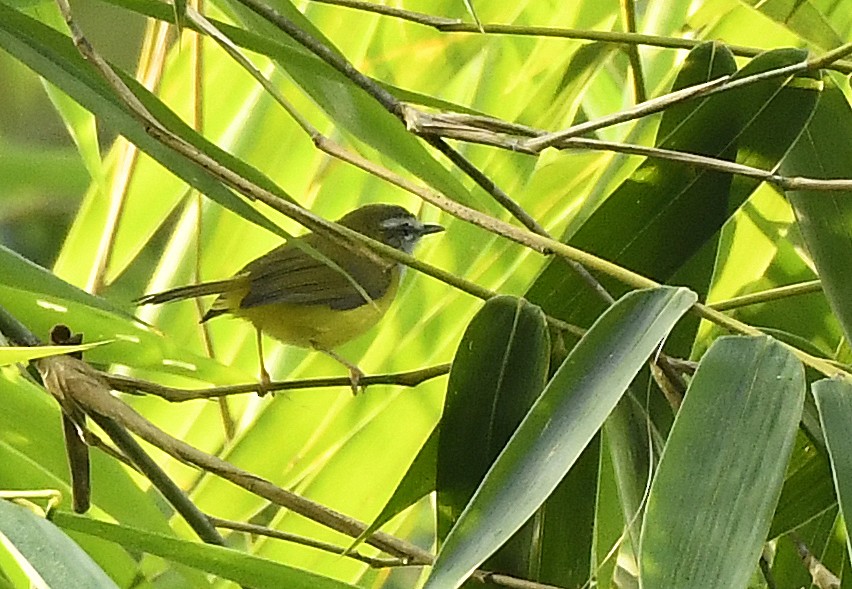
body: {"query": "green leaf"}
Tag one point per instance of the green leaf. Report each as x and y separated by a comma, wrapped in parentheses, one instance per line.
(564, 419)
(41, 300)
(658, 219)
(419, 481)
(12, 355)
(627, 433)
(660, 205)
(52, 558)
(802, 17)
(498, 372)
(53, 56)
(721, 471)
(29, 461)
(807, 493)
(834, 402)
(824, 151)
(227, 563)
(348, 105)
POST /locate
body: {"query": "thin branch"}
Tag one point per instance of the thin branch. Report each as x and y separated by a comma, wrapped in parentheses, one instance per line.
(524, 237)
(428, 124)
(397, 108)
(766, 571)
(162, 482)
(721, 84)
(628, 12)
(376, 563)
(718, 165)
(450, 25)
(132, 385)
(772, 294)
(532, 141)
(73, 382)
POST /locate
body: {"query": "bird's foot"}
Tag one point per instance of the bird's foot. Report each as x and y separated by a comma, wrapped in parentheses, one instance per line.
(355, 373)
(263, 387)
(355, 376)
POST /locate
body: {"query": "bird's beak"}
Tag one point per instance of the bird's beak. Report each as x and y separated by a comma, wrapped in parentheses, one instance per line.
(428, 228)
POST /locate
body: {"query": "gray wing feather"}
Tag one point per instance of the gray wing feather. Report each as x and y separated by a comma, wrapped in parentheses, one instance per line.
(287, 275)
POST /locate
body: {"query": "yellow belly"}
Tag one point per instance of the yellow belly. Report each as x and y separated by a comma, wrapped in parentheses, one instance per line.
(310, 326)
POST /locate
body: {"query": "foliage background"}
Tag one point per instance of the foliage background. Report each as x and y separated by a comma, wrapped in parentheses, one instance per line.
(111, 221)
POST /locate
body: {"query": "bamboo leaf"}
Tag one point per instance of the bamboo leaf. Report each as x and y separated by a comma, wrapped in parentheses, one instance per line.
(824, 151)
(498, 372)
(226, 563)
(13, 355)
(564, 419)
(834, 402)
(51, 558)
(54, 57)
(720, 475)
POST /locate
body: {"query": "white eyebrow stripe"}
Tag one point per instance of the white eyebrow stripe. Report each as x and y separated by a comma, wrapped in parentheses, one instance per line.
(396, 222)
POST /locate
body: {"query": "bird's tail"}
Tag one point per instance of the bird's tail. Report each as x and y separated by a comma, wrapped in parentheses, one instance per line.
(189, 292)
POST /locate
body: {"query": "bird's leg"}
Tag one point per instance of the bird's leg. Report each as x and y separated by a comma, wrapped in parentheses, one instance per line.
(265, 381)
(355, 373)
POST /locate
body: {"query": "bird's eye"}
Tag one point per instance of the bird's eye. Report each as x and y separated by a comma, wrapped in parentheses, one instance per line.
(401, 233)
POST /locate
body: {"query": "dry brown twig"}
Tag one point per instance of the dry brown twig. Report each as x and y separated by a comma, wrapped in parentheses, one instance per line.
(73, 383)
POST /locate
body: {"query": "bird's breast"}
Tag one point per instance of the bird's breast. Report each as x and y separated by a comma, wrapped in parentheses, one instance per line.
(308, 325)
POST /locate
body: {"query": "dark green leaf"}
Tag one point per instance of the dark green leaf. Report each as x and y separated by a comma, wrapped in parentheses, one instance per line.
(659, 219)
(564, 419)
(721, 471)
(825, 218)
(807, 493)
(498, 372)
(834, 401)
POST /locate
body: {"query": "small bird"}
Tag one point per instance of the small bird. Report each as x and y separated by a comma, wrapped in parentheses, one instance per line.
(301, 300)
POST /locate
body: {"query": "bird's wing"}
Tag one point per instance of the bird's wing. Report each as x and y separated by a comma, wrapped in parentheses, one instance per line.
(291, 276)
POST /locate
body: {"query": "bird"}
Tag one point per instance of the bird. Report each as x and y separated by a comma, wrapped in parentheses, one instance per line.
(297, 297)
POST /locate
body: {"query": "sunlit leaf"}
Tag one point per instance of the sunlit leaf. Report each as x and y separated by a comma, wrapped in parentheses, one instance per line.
(223, 562)
(51, 559)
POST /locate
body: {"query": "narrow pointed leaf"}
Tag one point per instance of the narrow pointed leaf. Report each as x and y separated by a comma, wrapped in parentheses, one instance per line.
(661, 216)
(825, 218)
(53, 56)
(14, 354)
(51, 558)
(834, 401)
(227, 563)
(419, 481)
(803, 17)
(348, 104)
(721, 471)
(40, 300)
(498, 372)
(806, 494)
(567, 415)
